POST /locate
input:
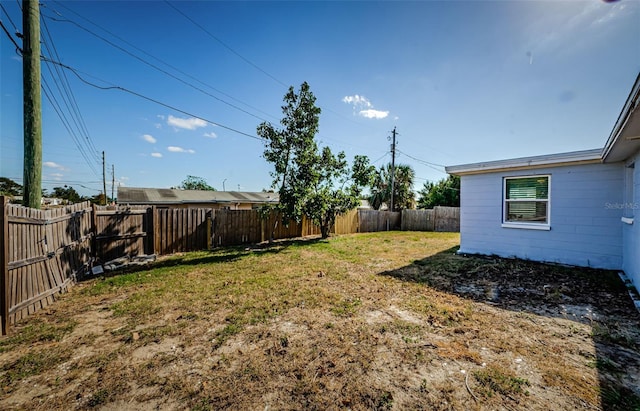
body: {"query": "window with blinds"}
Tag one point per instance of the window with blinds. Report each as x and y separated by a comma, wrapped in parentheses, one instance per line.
(526, 200)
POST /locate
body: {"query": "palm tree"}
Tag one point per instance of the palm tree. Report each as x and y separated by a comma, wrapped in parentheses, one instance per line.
(403, 196)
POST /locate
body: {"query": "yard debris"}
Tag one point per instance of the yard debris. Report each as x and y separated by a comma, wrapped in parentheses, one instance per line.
(122, 263)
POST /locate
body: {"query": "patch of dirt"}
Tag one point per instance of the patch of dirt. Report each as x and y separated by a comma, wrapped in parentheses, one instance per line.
(445, 332)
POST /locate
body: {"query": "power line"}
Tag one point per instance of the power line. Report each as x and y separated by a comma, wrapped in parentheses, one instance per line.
(68, 98)
(65, 122)
(383, 156)
(113, 87)
(160, 69)
(10, 37)
(9, 17)
(225, 45)
(66, 20)
(90, 143)
(433, 166)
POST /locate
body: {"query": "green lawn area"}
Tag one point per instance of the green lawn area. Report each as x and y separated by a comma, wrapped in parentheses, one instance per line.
(390, 320)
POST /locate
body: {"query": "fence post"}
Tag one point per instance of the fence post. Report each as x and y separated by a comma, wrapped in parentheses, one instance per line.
(211, 216)
(94, 231)
(4, 266)
(151, 229)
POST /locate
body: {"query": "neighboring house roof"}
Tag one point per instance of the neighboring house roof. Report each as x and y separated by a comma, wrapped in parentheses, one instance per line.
(623, 142)
(135, 195)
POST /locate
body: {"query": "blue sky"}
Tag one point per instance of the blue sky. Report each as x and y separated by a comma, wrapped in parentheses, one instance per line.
(463, 81)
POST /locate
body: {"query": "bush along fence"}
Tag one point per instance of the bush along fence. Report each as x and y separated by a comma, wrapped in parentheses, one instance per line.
(44, 251)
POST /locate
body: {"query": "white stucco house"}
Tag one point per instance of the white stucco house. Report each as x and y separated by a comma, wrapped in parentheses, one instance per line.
(580, 208)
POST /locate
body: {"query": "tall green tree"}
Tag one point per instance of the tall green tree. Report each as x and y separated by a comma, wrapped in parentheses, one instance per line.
(309, 181)
(67, 193)
(195, 183)
(403, 195)
(8, 187)
(445, 192)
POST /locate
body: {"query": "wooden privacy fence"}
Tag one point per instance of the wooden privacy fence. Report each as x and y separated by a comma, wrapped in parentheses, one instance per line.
(43, 251)
(436, 219)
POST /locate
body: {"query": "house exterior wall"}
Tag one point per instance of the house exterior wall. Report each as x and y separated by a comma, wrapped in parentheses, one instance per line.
(631, 232)
(586, 225)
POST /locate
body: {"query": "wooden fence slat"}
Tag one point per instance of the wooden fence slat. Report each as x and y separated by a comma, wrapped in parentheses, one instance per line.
(4, 269)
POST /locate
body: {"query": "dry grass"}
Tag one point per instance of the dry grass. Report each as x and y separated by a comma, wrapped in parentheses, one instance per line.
(371, 321)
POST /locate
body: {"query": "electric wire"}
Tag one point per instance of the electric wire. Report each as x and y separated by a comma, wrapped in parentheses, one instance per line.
(90, 144)
(383, 156)
(163, 71)
(224, 44)
(134, 93)
(67, 20)
(9, 17)
(65, 122)
(69, 100)
(18, 48)
(431, 165)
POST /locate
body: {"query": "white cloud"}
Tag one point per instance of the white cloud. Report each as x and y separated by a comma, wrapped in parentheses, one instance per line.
(364, 107)
(371, 113)
(149, 138)
(157, 125)
(51, 164)
(211, 135)
(161, 117)
(186, 123)
(56, 176)
(175, 149)
(157, 155)
(357, 101)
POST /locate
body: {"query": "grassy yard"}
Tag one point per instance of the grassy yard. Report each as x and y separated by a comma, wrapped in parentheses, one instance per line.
(370, 321)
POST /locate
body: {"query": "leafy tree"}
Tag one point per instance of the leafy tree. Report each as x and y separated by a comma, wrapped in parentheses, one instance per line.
(403, 196)
(445, 192)
(67, 193)
(8, 187)
(337, 190)
(195, 183)
(310, 182)
(98, 199)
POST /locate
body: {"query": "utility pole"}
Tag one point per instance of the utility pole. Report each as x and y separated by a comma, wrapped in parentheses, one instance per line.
(104, 179)
(113, 180)
(393, 165)
(32, 104)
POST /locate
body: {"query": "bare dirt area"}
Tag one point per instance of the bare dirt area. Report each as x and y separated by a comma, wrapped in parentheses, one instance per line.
(387, 321)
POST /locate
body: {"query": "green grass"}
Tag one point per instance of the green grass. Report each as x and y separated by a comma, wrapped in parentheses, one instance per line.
(497, 380)
(356, 321)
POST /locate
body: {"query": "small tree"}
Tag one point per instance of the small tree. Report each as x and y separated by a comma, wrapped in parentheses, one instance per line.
(445, 192)
(337, 190)
(317, 184)
(195, 183)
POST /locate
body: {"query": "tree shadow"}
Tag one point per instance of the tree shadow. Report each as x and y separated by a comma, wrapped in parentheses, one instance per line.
(214, 256)
(595, 297)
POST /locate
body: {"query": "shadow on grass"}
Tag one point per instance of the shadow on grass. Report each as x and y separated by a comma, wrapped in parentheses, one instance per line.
(217, 255)
(595, 297)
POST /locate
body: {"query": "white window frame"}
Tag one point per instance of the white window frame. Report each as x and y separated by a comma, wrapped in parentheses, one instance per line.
(526, 225)
(628, 209)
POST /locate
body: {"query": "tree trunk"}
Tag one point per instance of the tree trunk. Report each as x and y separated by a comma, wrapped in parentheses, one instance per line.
(324, 230)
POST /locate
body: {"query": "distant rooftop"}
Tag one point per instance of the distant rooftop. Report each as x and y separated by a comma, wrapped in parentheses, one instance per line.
(136, 195)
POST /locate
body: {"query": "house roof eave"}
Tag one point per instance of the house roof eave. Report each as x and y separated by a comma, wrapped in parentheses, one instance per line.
(624, 139)
(523, 163)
